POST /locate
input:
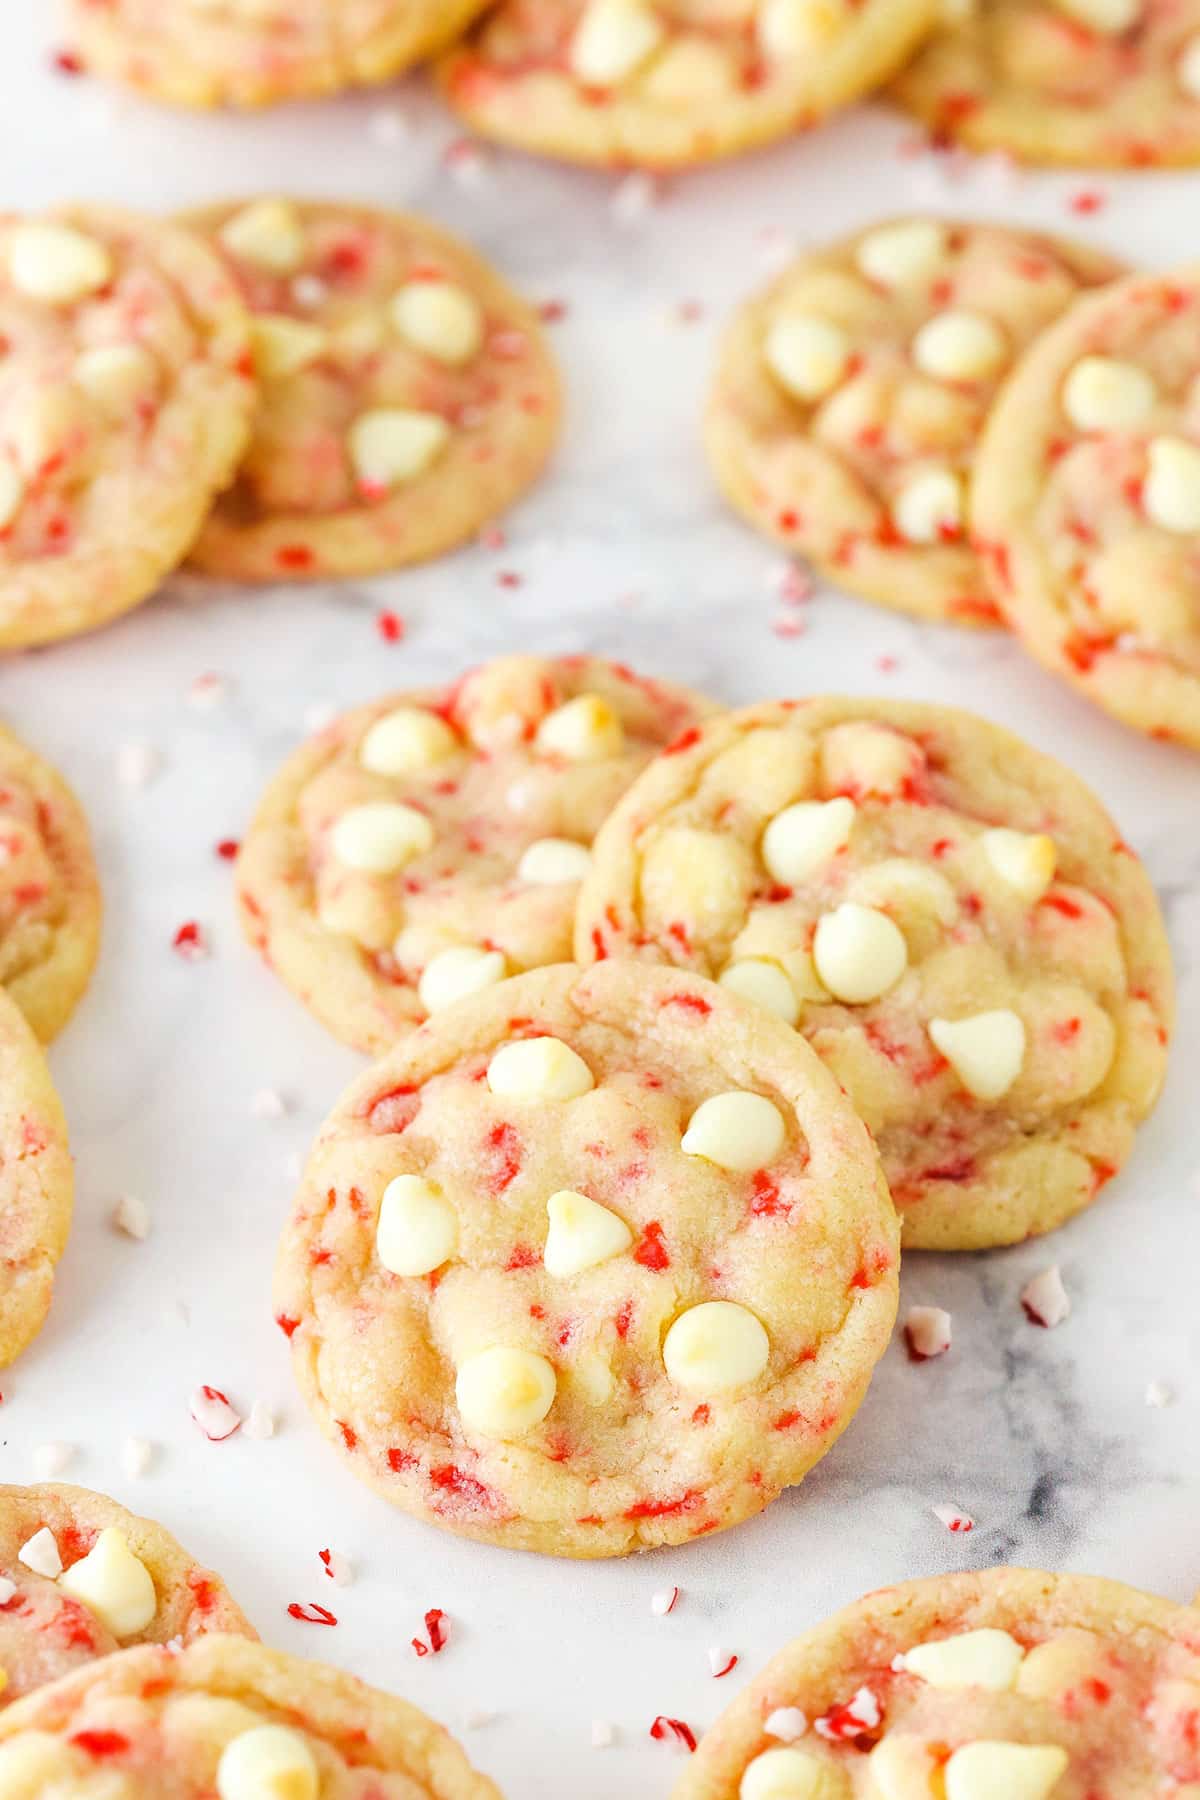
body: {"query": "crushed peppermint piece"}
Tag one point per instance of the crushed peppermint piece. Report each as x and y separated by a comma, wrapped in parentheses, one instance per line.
(260, 1422)
(213, 1413)
(310, 1613)
(673, 1731)
(190, 942)
(41, 1554)
(131, 1216)
(466, 161)
(390, 626)
(953, 1518)
(1159, 1393)
(227, 849)
(208, 690)
(927, 1332)
(853, 1719)
(268, 1103)
(7, 1590)
(1045, 1299)
(787, 1723)
(338, 1568)
(604, 1735)
(633, 198)
(137, 1454)
(722, 1662)
(138, 764)
(52, 1460)
(664, 1601)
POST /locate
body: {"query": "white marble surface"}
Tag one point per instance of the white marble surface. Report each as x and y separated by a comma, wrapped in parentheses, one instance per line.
(1045, 1437)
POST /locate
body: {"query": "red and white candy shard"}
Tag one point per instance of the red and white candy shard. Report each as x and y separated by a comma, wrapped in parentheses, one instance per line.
(927, 1329)
(213, 1413)
(1045, 1298)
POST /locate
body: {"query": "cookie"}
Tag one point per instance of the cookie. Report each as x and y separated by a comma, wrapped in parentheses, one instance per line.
(665, 85)
(593, 1261)
(49, 891)
(255, 52)
(225, 1719)
(88, 1578)
(1087, 503)
(1086, 82)
(849, 398)
(432, 843)
(1004, 1685)
(947, 915)
(408, 395)
(37, 1183)
(126, 391)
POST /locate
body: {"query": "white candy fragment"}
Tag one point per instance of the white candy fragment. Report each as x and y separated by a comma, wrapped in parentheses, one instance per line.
(582, 1233)
(52, 1460)
(807, 355)
(40, 1553)
(1171, 492)
(440, 318)
(1045, 1299)
(960, 346)
(859, 953)
(715, 1347)
(114, 1584)
(984, 1659)
(260, 1422)
(393, 445)
(418, 1228)
(538, 1069)
(787, 1723)
(603, 1735)
(1159, 1393)
(902, 254)
(612, 40)
(137, 1455)
(996, 1771)
(57, 264)
(269, 1762)
(1111, 17)
(738, 1131)
(268, 234)
(1102, 393)
(407, 739)
(554, 862)
(585, 729)
(986, 1051)
(131, 1216)
(927, 1329)
(1023, 861)
(268, 1103)
(804, 837)
(504, 1393)
(381, 837)
(463, 969)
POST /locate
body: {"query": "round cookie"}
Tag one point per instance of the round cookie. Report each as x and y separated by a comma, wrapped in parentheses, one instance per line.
(120, 1580)
(947, 915)
(1087, 501)
(50, 902)
(126, 392)
(254, 52)
(849, 398)
(226, 1719)
(433, 842)
(1008, 1683)
(597, 1260)
(1085, 82)
(669, 83)
(408, 395)
(37, 1183)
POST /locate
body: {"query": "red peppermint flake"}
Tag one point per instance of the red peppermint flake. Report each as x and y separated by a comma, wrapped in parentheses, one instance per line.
(227, 849)
(68, 62)
(853, 1719)
(310, 1613)
(953, 1518)
(552, 311)
(509, 578)
(438, 1634)
(99, 1743)
(190, 942)
(421, 1648)
(214, 1414)
(390, 626)
(652, 1252)
(673, 1731)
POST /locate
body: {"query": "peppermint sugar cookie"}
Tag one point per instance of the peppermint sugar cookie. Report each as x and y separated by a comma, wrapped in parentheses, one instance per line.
(667, 83)
(1085, 82)
(849, 398)
(49, 891)
(593, 1261)
(1004, 1685)
(947, 915)
(36, 1183)
(433, 842)
(225, 1719)
(80, 1578)
(125, 399)
(253, 52)
(408, 395)
(1087, 505)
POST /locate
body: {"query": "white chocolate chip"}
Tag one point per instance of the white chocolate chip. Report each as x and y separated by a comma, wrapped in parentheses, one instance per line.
(1171, 494)
(554, 862)
(1109, 16)
(790, 28)
(41, 1555)
(715, 1347)
(983, 1659)
(585, 729)
(896, 255)
(504, 1393)
(1187, 69)
(461, 970)
(269, 1762)
(692, 71)
(995, 1771)
(381, 837)
(765, 984)
(929, 508)
(443, 320)
(1023, 861)
(393, 445)
(804, 837)
(57, 264)
(12, 493)
(927, 1329)
(613, 38)
(737, 1131)
(807, 355)
(283, 345)
(406, 739)
(902, 1768)
(542, 1068)
(268, 234)
(960, 346)
(859, 953)
(417, 1230)
(114, 1584)
(985, 1051)
(1104, 394)
(787, 1774)
(582, 1233)
(115, 377)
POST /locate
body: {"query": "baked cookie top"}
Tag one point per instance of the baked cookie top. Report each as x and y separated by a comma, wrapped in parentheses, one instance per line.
(1087, 502)
(1004, 1685)
(947, 915)
(593, 1261)
(433, 842)
(226, 1719)
(408, 395)
(80, 1577)
(49, 890)
(1088, 82)
(253, 52)
(849, 398)
(37, 1183)
(672, 82)
(126, 391)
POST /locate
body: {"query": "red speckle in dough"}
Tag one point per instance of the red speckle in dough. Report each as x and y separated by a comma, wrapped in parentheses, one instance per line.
(287, 1324)
(100, 1743)
(349, 1435)
(765, 1202)
(788, 520)
(504, 1147)
(523, 1257)
(624, 1320)
(72, 1627)
(399, 1460)
(311, 1614)
(701, 1416)
(449, 1480)
(683, 742)
(665, 1509)
(1062, 903)
(871, 1269)
(395, 1110)
(688, 1003)
(651, 1252)
(1102, 1173)
(390, 627)
(294, 556)
(666, 1730)
(1065, 1031)
(1083, 652)
(599, 947)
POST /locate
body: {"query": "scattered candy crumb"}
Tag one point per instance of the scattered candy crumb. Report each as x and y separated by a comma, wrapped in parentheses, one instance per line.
(603, 1735)
(673, 1731)
(722, 1662)
(137, 1455)
(787, 1723)
(927, 1331)
(212, 1412)
(260, 1422)
(131, 1217)
(1045, 1299)
(138, 764)
(1159, 1393)
(338, 1568)
(953, 1518)
(664, 1601)
(52, 1460)
(190, 942)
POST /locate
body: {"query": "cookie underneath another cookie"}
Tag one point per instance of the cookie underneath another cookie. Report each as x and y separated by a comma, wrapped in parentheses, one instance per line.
(1004, 1685)
(37, 1183)
(593, 1261)
(82, 1578)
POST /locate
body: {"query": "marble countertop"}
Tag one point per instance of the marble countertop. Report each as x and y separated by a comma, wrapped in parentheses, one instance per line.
(1045, 1437)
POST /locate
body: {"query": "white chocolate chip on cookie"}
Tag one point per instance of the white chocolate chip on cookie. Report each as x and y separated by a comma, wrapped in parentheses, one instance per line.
(1102, 393)
(12, 493)
(984, 1659)
(585, 729)
(807, 355)
(381, 837)
(1023, 861)
(582, 1233)
(440, 318)
(1187, 69)
(268, 1762)
(112, 1582)
(406, 739)
(57, 264)
(903, 1768)
(715, 1347)
(736, 1131)
(902, 254)
(612, 40)
(960, 346)
(805, 836)
(542, 1068)
(1110, 17)
(792, 28)
(765, 983)
(554, 862)
(997, 1771)
(789, 1774)
(929, 508)
(116, 376)
(460, 970)
(1171, 494)
(859, 953)
(283, 345)
(504, 1393)
(268, 234)
(392, 445)
(986, 1051)
(418, 1228)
